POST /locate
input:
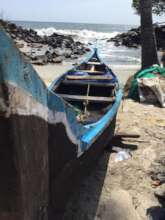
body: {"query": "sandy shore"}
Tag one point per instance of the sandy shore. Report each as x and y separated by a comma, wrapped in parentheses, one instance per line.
(121, 190)
(50, 71)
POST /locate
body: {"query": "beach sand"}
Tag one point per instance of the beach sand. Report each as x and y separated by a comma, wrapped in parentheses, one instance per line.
(121, 190)
(51, 71)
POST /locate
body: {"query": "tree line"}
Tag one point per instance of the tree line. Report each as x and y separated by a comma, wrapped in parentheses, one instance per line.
(158, 6)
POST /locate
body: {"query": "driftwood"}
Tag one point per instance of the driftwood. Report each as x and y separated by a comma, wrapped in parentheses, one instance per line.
(125, 135)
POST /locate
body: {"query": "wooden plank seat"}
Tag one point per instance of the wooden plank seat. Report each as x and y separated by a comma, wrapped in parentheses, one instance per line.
(92, 70)
(88, 98)
(89, 77)
(84, 82)
(94, 63)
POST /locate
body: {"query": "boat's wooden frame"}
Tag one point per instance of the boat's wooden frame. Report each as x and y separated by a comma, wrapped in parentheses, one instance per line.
(44, 150)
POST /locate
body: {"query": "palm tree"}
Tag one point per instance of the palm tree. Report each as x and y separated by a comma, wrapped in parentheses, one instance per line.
(149, 49)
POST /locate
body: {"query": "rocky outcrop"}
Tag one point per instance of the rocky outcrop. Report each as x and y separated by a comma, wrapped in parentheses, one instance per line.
(132, 38)
(44, 49)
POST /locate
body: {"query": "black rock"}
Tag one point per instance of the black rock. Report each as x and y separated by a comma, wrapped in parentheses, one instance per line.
(45, 49)
(57, 60)
(133, 38)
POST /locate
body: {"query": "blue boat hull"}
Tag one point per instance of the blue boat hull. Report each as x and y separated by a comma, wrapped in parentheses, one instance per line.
(44, 150)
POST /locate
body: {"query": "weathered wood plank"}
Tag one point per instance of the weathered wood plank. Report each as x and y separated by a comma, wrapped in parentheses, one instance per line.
(92, 70)
(126, 135)
(94, 63)
(87, 77)
(81, 82)
(89, 98)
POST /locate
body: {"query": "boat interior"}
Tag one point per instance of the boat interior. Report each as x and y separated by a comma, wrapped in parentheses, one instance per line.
(92, 67)
(89, 88)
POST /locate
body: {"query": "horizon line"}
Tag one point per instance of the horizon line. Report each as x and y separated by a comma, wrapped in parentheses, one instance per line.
(71, 22)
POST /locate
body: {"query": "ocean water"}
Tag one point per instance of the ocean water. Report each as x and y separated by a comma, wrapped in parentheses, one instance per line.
(92, 35)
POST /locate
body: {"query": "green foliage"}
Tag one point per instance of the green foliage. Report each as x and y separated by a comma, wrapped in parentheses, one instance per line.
(158, 6)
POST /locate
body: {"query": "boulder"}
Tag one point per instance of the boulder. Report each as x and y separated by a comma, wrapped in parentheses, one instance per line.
(133, 38)
(57, 60)
(43, 49)
(39, 60)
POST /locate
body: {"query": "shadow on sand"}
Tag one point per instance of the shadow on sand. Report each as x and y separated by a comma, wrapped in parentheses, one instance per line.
(86, 198)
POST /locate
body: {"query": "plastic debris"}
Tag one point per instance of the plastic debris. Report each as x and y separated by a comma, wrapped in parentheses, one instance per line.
(122, 155)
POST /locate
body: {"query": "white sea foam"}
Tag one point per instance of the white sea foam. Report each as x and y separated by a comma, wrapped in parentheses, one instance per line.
(108, 51)
(82, 34)
(120, 57)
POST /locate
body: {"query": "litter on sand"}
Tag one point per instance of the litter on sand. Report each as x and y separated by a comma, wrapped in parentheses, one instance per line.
(122, 155)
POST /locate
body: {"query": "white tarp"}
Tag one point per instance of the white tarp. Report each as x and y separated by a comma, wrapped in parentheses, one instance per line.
(152, 90)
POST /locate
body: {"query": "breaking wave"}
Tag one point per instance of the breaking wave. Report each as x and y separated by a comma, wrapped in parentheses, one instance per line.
(109, 52)
(82, 34)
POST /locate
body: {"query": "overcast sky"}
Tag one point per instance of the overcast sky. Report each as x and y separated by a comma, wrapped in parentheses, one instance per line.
(90, 11)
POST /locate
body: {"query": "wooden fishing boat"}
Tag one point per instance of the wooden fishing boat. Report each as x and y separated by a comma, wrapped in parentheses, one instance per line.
(49, 138)
(90, 88)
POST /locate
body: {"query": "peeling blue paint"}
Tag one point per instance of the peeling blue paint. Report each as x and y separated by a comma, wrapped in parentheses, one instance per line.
(14, 69)
(96, 129)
